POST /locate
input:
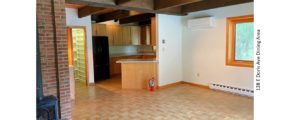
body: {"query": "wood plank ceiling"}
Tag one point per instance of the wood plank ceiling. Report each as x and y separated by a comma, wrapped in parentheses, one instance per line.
(103, 10)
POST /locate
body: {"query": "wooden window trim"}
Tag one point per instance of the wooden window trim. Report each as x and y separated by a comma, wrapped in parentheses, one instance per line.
(69, 30)
(230, 43)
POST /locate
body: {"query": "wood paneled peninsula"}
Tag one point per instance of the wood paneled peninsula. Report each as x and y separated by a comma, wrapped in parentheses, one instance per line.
(115, 68)
(137, 72)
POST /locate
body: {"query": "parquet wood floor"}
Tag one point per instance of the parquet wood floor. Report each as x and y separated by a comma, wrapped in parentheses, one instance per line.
(181, 102)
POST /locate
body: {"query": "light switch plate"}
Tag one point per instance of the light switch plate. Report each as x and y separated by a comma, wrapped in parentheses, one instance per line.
(163, 41)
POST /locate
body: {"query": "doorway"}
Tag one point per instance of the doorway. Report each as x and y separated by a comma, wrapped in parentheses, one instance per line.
(77, 57)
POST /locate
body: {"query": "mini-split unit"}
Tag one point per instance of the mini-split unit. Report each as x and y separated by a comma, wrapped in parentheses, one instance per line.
(201, 23)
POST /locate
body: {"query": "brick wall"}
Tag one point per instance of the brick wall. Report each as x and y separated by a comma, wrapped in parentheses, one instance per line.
(46, 41)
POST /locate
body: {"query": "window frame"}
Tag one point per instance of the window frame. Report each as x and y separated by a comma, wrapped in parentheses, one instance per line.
(231, 41)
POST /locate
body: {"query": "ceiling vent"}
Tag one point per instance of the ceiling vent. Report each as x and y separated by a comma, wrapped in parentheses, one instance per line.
(201, 23)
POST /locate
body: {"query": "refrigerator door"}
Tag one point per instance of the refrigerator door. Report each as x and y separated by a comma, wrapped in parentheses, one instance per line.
(101, 58)
(101, 72)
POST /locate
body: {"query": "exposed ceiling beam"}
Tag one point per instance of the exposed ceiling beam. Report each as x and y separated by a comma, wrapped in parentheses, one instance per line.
(210, 4)
(173, 7)
(146, 6)
(163, 4)
(74, 6)
(89, 2)
(145, 22)
(128, 5)
(114, 15)
(137, 4)
(88, 10)
(136, 18)
(110, 16)
(176, 10)
(107, 10)
(118, 2)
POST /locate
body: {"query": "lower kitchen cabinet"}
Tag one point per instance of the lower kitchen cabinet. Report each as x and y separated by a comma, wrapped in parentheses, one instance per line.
(115, 68)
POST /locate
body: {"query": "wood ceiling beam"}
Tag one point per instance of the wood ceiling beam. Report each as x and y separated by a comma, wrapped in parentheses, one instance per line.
(172, 10)
(146, 6)
(101, 3)
(145, 22)
(88, 10)
(137, 4)
(74, 6)
(163, 4)
(136, 18)
(110, 16)
(118, 2)
(210, 4)
(107, 10)
(114, 15)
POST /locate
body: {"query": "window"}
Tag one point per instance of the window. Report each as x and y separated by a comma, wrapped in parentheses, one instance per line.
(240, 41)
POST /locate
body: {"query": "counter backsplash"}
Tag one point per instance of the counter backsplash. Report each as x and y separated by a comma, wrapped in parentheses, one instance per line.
(131, 49)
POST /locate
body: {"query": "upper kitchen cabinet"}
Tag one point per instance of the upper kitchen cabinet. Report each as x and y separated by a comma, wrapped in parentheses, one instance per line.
(148, 33)
(99, 30)
(119, 35)
(153, 31)
(105, 30)
(135, 35)
(145, 35)
(126, 35)
(111, 31)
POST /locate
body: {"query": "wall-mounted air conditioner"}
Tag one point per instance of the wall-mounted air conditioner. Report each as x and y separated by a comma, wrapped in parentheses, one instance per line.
(201, 23)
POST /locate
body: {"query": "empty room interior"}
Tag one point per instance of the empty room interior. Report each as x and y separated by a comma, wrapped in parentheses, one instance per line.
(145, 59)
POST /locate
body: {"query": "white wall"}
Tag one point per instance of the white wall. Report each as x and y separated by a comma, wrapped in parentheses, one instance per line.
(169, 28)
(73, 20)
(203, 52)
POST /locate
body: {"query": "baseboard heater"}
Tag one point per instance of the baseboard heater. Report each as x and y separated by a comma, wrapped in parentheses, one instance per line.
(231, 89)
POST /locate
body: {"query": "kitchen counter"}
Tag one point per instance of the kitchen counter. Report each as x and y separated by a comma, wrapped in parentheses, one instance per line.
(137, 72)
(136, 60)
(130, 54)
(115, 67)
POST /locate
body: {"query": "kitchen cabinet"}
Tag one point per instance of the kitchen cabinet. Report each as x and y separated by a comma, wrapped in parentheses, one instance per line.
(153, 31)
(99, 30)
(94, 29)
(115, 68)
(145, 35)
(118, 36)
(148, 56)
(111, 30)
(105, 30)
(135, 35)
(135, 74)
(125, 35)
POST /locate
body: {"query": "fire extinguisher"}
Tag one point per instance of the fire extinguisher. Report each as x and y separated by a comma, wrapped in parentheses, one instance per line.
(151, 84)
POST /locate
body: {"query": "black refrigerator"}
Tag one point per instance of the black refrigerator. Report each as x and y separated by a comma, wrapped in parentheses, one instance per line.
(101, 58)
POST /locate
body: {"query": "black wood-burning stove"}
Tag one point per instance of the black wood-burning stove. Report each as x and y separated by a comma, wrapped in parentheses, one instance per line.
(47, 106)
